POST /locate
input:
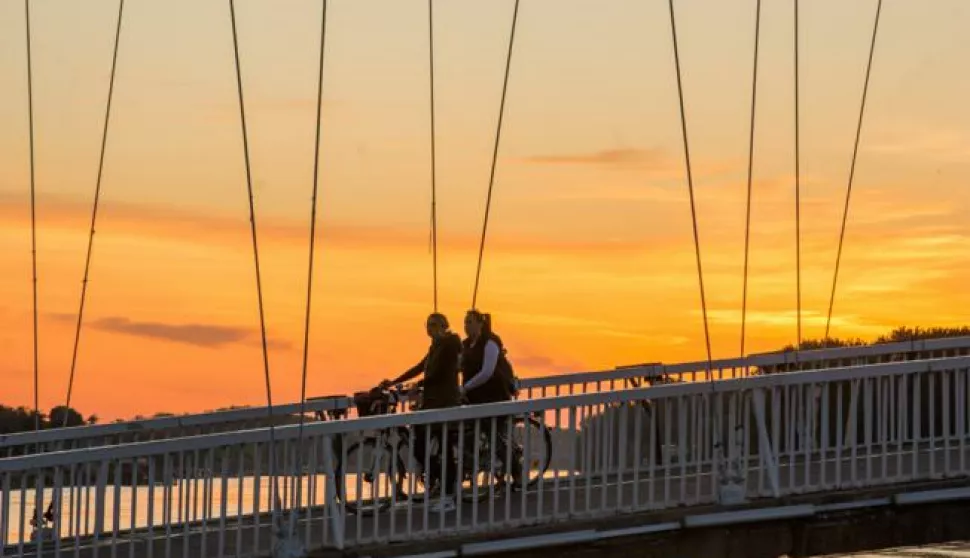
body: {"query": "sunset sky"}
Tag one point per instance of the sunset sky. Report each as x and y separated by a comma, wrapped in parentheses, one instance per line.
(589, 262)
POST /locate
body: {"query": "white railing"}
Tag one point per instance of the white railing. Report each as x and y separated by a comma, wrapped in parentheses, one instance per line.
(612, 452)
(583, 382)
(76, 437)
(755, 364)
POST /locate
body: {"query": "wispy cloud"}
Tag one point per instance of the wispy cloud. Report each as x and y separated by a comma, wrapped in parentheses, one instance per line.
(624, 156)
(653, 161)
(200, 335)
(787, 318)
(181, 225)
(882, 212)
(593, 327)
(949, 146)
(918, 250)
(540, 363)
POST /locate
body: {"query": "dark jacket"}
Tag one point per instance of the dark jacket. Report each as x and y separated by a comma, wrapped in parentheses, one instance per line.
(441, 373)
(498, 387)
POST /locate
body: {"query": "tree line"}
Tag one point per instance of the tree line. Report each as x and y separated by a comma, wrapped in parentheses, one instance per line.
(22, 419)
(897, 335)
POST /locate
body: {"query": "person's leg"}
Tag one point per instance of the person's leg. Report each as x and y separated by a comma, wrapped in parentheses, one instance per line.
(432, 464)
(444, 438)
(420, 444)
(447, 436)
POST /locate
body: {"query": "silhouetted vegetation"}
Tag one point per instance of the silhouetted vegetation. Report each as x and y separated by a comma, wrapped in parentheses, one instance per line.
(22, 419)
(895, 336)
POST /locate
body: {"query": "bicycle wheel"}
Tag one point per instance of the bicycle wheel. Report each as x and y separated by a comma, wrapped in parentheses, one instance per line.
(366, 481)
(539, 445)
(476, 482)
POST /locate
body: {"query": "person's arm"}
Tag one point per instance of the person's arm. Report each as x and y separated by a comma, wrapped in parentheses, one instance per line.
(413, 372)
(488, 367)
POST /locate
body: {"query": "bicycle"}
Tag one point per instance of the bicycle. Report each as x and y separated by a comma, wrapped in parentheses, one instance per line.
(379, 480)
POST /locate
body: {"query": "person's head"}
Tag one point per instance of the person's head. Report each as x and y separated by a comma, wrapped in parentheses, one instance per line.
(477, 324)
(437, 325)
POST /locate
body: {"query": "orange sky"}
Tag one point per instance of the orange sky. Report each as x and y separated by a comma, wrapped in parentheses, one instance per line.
(590, 258)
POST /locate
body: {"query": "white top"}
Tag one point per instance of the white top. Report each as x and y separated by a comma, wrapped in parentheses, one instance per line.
(488, 367)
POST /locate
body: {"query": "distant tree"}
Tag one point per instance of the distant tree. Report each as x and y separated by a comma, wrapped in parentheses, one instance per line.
(831, 342)
(906, 334)
(163, 415)
(58, 414)
(230, 408)
(20, 419)
(93, 419)
(897, 335)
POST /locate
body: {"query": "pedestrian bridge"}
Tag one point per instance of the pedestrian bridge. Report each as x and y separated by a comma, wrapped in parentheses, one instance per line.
(620, 463)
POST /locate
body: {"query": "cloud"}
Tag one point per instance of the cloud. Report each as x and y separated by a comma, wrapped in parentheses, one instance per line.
(655, 175)
(943, 146)
(656, 162)
(788, 318)
(271, 343)
(882, 212)
(623, 156)
(535, 361)
(541, 363)
(162, 222)
(917, 250)
(552, 320)
(722, 191)
(200, 335)
(193, 334)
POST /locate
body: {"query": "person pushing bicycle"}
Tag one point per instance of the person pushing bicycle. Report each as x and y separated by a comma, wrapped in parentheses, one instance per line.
(488, 378)
(440, 369)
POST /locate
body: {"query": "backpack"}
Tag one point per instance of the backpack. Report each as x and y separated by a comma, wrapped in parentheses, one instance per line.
(507, 373)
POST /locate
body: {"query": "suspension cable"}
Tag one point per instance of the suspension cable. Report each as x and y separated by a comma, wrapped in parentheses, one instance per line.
(747, 219)
(690, 189)
(33, 217)
(94, 216)
(259, 285)
(309, 289)
(94, 211)
(855, 152)
(434, 190)
(798, 193)
(716, 430)
(498, 136)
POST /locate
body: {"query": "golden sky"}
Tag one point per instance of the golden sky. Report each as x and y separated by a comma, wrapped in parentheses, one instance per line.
(589, 262)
